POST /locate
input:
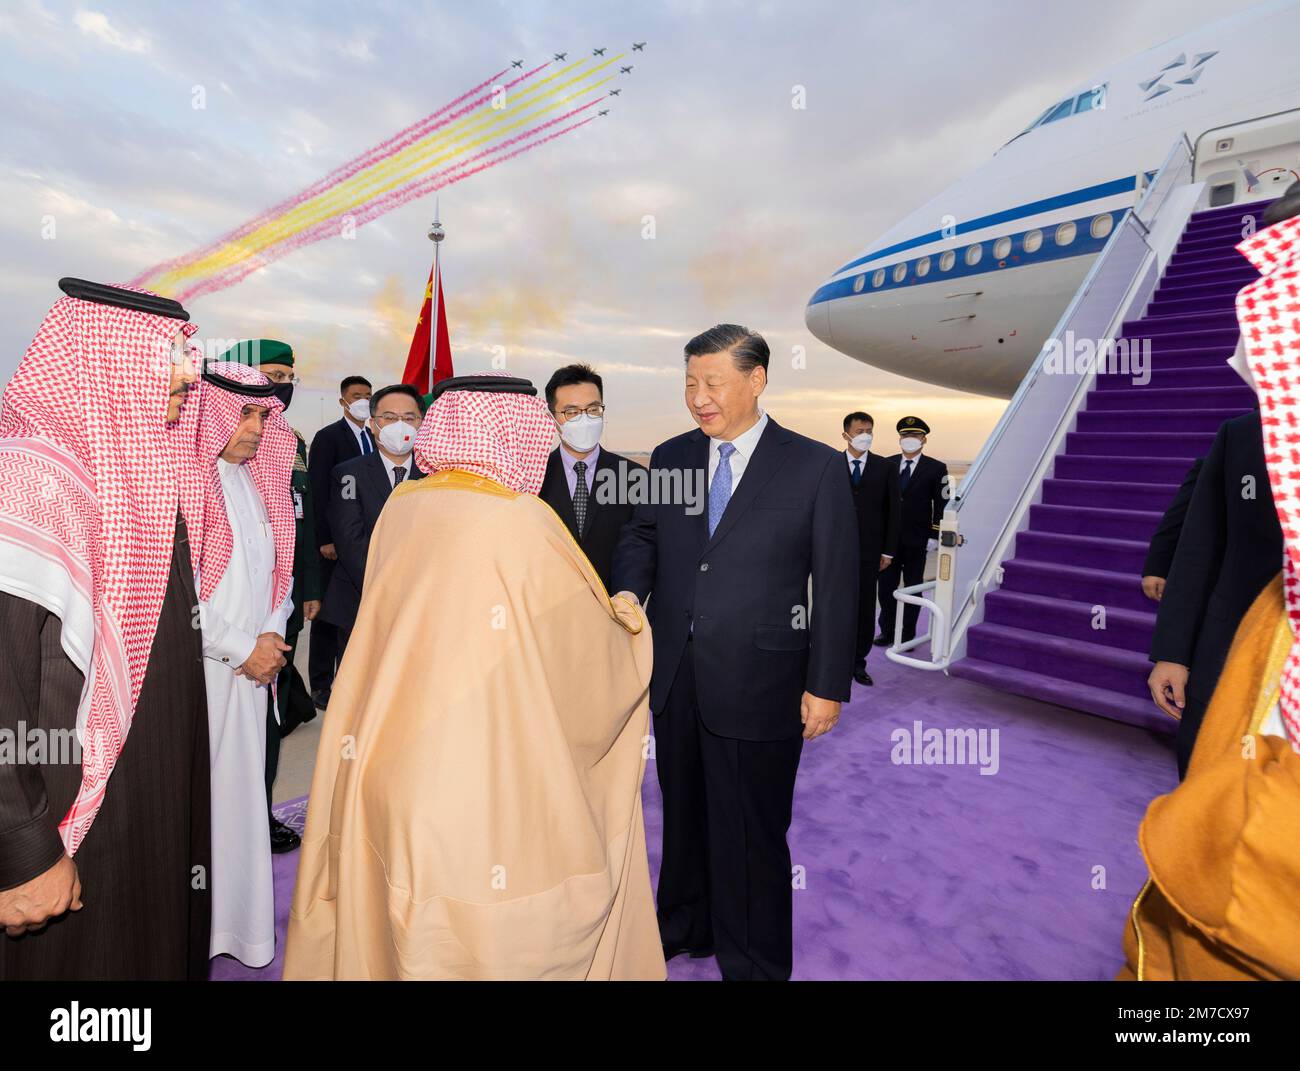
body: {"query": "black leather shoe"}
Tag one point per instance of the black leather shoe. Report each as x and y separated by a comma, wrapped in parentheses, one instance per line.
(283, 839)
(320, 698)
(863, 677)
(695, 953)
(881, 641)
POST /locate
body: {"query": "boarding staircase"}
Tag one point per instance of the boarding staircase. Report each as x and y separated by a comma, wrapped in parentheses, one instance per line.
(1078, 561)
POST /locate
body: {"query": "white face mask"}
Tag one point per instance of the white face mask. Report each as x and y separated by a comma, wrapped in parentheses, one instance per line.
(360, 410)
(398, 437)
(910, 445)
(861, 443)
(582, 432)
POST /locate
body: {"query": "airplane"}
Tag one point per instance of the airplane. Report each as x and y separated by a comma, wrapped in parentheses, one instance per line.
(516, 63)
(625, 70)
(638, 46)
(605, 112)
(615, 92)
(598, 51)
(964, 291)
(560, 56)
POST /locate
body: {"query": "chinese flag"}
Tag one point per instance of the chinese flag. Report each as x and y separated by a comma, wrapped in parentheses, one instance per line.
(417, 358)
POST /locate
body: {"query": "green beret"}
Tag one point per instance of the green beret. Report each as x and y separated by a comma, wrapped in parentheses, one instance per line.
(256, 351)
(913, 424)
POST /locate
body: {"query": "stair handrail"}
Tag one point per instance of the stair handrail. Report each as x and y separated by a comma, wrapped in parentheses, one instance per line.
(1115, 277)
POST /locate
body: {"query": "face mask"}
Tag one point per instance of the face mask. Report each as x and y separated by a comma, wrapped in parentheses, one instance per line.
(583, 432)
(861, 443)
(359, 410)
(910, 445)
(397, 437)
(284, 391)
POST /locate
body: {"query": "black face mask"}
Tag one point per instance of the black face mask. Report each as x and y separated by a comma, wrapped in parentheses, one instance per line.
(284, 391)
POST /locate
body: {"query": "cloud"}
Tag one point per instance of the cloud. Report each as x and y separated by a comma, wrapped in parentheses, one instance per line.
(95, 24)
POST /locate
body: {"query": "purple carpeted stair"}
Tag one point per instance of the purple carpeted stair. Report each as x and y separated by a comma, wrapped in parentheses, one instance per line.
(1080, 559)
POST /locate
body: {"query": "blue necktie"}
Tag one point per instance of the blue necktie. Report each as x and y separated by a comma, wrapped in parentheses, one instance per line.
(857, 471)
(907, 475)
(720, 489)
(367, 447)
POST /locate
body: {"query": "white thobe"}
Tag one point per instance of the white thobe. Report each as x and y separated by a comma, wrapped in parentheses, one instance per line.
(240, 610)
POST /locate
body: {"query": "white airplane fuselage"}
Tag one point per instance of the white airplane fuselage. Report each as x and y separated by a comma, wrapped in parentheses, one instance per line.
(964, 291)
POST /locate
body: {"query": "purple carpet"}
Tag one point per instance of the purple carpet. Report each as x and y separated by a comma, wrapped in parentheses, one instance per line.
(938, 871)
(1120, 467)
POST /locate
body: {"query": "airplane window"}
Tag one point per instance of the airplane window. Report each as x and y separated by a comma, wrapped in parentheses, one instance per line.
(1033, 240)
(1093, 98)
(1101, 225)
(859, 283)
(900, 272)
(946, 259)
(923, 266)
(1065, 233)
(1066, 107)
(973, 253)
(878, 279)
(1001, 248)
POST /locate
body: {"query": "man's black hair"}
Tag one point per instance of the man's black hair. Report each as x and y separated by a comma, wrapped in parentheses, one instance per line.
(570, 376)
(396, 388)
(859, 415)
(748, 348)
(352, 381)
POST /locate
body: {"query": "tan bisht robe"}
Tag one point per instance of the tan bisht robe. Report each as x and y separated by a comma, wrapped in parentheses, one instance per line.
(476, 806)
(1223, 849)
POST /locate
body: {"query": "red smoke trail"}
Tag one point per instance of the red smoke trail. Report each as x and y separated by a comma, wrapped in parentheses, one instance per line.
(399, 141)
(438, 181)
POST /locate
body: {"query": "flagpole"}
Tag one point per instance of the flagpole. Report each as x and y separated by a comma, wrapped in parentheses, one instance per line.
(436, 235)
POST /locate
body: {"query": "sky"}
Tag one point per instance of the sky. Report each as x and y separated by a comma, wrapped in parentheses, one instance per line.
(109, 168)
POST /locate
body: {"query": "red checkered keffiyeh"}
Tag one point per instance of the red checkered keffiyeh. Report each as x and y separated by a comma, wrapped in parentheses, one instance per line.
(216, 415)
(505, 437)
(89, 480)
(1269, 313)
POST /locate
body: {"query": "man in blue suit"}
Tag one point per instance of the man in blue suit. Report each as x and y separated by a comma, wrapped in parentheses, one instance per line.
(746, 666)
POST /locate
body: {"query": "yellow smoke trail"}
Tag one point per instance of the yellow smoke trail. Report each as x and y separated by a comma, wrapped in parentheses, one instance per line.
(365, 186)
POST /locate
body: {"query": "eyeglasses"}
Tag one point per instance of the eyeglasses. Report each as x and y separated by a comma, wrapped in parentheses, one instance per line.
(384, 419)
(282, 377)
(572, 412)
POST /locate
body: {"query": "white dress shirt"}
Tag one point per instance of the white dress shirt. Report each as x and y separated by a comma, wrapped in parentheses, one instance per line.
(406, 463)
(745, 445)
(914, 459)
(357, 433)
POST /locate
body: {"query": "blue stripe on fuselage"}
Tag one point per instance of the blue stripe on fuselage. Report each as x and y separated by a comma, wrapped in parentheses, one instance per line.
(1033, 208)
(1084, 244)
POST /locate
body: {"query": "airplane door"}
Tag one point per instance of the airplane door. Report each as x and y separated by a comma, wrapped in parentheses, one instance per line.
(1255, 160)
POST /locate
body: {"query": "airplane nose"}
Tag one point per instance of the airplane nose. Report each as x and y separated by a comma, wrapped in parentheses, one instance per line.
(817, 317)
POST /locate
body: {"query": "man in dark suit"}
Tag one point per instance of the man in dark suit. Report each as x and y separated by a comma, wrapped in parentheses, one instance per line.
(876, 497)
(582, 479)
(1160, 552)
(745, 669)
(358, 490)
(346, 438)
(1229, 549)
(923, 487)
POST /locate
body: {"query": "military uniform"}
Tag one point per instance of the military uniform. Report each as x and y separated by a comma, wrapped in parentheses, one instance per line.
(923, 486)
